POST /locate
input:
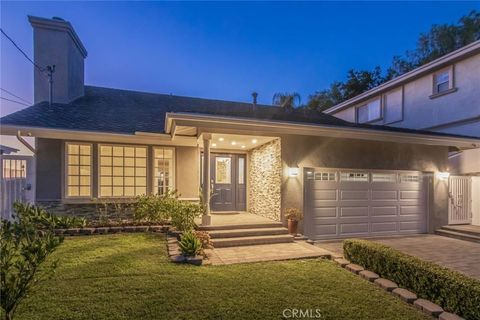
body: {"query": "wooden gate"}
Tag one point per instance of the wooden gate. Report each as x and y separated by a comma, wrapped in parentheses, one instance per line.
(459, 204)
(16, 182)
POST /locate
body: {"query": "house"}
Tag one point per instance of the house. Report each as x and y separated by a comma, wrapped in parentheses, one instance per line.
(98, 144)
(441, 96)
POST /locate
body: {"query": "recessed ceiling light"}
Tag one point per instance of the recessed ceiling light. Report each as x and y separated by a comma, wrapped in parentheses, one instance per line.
(220, 139)
(214, 144)
(233, 143)
(254, 140)
(243, 147)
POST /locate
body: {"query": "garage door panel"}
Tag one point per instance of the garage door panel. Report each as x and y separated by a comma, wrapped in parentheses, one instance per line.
(354, 228)
(353, 211)
(389, 203)
(384, 227)
(385, 195)
(354, 195)
(384, 211)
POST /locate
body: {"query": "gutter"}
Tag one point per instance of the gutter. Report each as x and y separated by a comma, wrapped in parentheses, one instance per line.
(25, 143)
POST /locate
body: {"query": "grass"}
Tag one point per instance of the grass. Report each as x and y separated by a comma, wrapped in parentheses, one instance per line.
(128, 276)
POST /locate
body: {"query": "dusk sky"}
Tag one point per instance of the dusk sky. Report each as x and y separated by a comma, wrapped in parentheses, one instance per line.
(223, 50)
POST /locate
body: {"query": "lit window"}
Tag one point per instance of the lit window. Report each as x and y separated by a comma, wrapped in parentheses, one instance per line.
(384, 177)
(14, 168)
(409, 178)
(370, 112)
(123, 171)
(241, 170)
(325, 176)
(163, 170)
(354, 176)
(223, 170)
(79, 170)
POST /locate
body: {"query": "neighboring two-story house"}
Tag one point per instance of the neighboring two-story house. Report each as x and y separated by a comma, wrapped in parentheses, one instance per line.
(441, 96)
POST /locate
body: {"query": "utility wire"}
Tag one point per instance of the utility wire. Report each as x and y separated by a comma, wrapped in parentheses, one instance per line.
(3, 98)
(19, 49)
(24, 100)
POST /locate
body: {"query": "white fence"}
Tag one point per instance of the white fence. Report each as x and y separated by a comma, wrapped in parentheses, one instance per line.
(16, 182)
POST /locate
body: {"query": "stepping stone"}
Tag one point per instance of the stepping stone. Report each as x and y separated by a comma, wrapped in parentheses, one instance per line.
(355, 268)
(449, 316)
(386, 284)
(405, 295)
(428, 307)
(177, 259)
(369, 275)
(341, 262)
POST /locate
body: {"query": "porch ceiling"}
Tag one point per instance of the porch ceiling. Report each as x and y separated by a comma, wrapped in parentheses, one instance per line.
(237, 142)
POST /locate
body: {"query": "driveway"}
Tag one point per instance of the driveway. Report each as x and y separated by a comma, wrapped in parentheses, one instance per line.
(459, 255)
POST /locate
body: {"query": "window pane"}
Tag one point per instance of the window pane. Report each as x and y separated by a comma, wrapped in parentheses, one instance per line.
(78, 170)
(141, 152)
(106, 181)
(443, 87)
(106, 150)
(141, 172)
(130, 162)
(140, 190)
(106, 161)
(106, 171)
(118, 151)
(129, 152)
(118, 171)
(105, 191)
(241, 170)
(117, 191)
(223, 170)
(141, 162)
(129, 191)
(443, 77)
(117, 161)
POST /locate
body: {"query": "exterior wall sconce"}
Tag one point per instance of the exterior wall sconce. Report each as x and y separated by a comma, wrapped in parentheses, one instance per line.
(293, 171)
(443, 175)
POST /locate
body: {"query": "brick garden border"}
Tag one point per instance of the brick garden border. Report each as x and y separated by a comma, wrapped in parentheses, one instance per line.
(110, 230)
(426, 306)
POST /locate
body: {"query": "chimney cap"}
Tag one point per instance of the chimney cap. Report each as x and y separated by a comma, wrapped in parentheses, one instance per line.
(59, 24)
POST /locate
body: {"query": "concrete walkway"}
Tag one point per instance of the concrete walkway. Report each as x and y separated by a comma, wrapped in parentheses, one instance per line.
(267, 252)
(459, 255)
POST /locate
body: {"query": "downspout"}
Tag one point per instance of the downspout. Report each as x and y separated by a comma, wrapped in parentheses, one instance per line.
(25, 143)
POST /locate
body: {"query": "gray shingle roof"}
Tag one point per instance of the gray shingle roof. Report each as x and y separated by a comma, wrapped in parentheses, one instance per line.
(122, 111)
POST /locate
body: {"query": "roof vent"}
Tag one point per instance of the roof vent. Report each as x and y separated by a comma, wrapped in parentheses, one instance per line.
(254, 95)
(58, 18)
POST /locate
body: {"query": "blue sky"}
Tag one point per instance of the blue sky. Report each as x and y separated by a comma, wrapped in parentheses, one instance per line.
(223, 50)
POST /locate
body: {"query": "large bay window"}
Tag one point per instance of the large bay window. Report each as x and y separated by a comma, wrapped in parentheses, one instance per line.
(163, 170)
(123, 171)
(79, 170)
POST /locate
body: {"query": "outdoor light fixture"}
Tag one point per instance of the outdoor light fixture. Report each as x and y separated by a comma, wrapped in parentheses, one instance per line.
(233, 143)
(220, 139)
(254, 140)
(293, 171)
(443, 175)
(214, 144)
(243, 147)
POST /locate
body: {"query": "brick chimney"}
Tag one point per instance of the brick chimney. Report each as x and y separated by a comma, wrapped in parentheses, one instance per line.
(55, 42)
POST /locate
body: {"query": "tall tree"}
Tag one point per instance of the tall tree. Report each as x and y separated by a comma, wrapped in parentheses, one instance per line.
(286, 100)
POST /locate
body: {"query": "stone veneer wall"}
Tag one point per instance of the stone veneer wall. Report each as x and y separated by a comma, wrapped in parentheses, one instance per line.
(264, 180)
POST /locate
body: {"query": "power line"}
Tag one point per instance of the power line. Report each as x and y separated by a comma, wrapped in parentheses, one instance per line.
(19, 49)
(5, 90)
(3, 98)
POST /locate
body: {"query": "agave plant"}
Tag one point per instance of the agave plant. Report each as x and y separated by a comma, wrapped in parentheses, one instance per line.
(189, 244)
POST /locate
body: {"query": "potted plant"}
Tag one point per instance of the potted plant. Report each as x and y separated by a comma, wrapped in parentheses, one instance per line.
(293, 215)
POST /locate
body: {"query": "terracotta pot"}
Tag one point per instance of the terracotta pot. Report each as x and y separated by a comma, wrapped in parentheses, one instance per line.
(292, 226)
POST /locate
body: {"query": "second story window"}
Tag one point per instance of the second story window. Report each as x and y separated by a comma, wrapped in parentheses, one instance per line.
(372, 111)
(442, 82)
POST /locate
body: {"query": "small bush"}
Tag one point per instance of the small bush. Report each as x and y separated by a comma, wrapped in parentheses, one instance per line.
(183, 215)
(453, 291)
(189, 244)
(42, 219)
(155, 208)
(205, 240)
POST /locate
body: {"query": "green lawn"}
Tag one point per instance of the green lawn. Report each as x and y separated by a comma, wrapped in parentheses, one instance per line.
(127, 276)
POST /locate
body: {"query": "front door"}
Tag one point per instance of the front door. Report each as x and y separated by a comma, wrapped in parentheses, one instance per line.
(228, 182)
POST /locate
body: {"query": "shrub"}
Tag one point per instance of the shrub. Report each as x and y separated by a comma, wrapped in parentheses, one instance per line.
(41, 219)
(454, 291)
(189, 244)
(293, 214)
(183, 214)
(155, 208)
(25, 244)
(205, 240)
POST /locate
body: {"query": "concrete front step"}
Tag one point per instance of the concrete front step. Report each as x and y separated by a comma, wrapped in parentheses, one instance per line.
(250, 232)
(471, 230)
(457, 235)
(253, 240)
(242, 226)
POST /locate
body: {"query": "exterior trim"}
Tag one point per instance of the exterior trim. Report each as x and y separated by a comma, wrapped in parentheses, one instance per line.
(279, 127)
(454, 123)
(460, 54)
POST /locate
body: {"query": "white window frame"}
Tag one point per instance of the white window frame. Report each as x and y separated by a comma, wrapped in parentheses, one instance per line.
(451, 82)
(355, 178)
(65, 161)
(99, 173)
(174, 166)
(366, 105)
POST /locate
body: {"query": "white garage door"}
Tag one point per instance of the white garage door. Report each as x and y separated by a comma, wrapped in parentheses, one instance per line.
(354, 203)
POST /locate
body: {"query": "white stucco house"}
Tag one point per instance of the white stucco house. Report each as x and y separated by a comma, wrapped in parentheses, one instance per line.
(441, 96)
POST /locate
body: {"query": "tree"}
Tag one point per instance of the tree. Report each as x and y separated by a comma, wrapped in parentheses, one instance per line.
(438, 41)
(287, 101)
(24, 247)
